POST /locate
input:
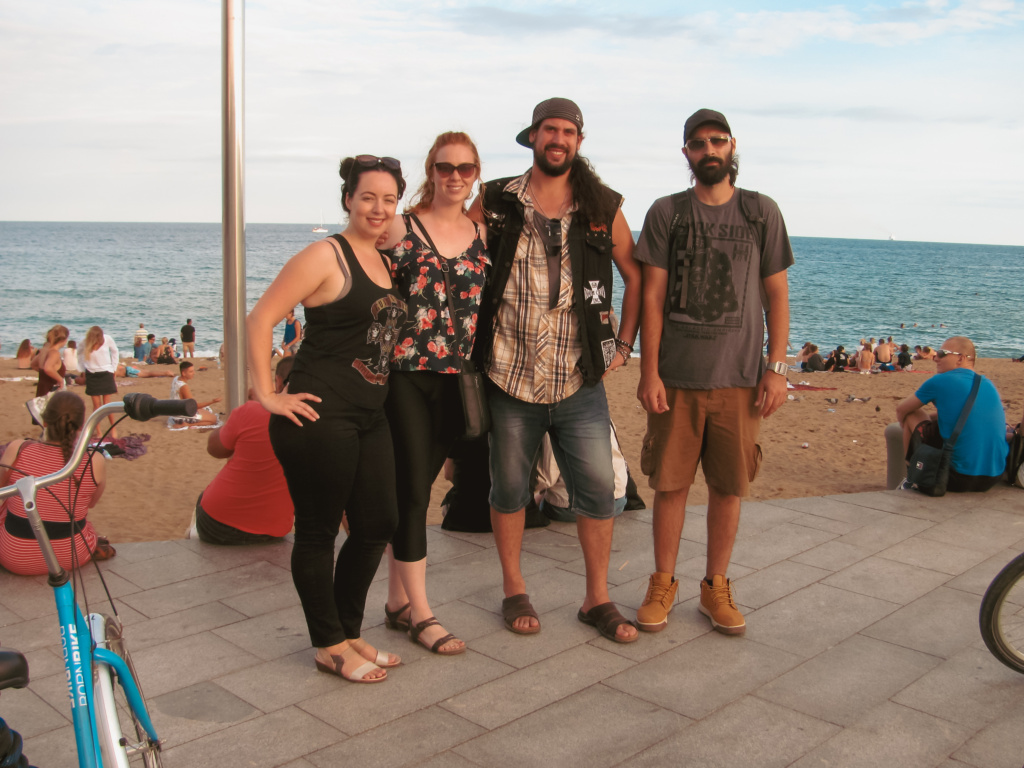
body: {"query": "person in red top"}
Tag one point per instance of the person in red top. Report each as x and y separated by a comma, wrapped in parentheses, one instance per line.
(248, 501)
(63, 417)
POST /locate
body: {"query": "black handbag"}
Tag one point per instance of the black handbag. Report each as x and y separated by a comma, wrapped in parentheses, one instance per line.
(475, 412)
(928, 470)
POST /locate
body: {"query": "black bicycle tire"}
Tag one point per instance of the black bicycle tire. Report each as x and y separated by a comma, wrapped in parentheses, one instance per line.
(990, 615)
(115, 641)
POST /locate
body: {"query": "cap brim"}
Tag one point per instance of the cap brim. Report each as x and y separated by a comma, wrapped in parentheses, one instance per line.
(523, 139)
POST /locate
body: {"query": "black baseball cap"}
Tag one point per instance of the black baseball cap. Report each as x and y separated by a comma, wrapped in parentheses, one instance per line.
(701, 116)
(556, 107)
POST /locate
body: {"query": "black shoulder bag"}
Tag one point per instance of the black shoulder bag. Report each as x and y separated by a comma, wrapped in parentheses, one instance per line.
(471, 381)
(928, 470)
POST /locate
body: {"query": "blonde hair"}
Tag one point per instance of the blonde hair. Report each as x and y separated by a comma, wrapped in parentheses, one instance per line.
(56, 334)
(424, 196)
(93, 339)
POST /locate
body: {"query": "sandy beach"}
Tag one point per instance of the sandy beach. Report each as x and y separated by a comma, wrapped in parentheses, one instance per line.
(151, 498)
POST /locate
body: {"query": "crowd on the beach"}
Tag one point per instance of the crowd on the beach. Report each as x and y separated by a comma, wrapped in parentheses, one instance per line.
(485, 331)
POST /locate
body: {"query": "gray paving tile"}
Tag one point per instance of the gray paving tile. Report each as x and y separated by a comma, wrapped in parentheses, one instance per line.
(268, 741)
(462, 576)
(408, 740)
(704, 674)
(44, 662)
(34, 634)
(233, 557)
(517, 694)
(141, 551)
(446, 760)
(353, 708)
(846, 681)
(300, 763)
(27, 597)
(271, 635)
(885, 532)
(54, 749)
(935, 555)
(586, 730)
(838, 527)
(177, 566)
(685, 623)
(835, 508)
(887, 580)
(1000, 745)
(940, 623)
(985, 530)
(748, 732)
(777, 544)
(191, 621)
(976, 580)
(909, 504)
(52, 689)
(555, 588)
(186, 661)
(205, 589)
(971, 689)
(560, 630)
(7, 616)
(281, 682)
(266, 600)
(30, 715)
(193, 712)
(441, 547)
(482, 540)
(769, 584)
(691, 571)
(814, 619)
(832, 556)
(548, 543)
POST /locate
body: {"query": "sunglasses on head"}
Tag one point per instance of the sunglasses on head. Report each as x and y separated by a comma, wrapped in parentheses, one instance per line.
(372, 161)
(943, 352)
(466, 170)
(696, 145)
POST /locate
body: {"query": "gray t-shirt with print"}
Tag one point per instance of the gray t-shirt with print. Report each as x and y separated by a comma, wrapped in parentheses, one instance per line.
(714, 338)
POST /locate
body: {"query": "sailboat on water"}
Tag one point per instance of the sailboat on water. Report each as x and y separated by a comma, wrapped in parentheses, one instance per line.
(321, 229)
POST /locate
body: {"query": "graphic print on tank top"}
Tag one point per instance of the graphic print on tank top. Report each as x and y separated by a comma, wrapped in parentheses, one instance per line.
(387, 313)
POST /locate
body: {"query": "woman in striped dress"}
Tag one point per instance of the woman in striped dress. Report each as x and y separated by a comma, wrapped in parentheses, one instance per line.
(75, 542)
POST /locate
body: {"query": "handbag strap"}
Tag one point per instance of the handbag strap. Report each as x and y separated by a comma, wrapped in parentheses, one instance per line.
(447, 285)
(964, 413)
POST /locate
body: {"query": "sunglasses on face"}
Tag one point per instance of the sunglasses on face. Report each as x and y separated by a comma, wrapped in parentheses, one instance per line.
(696, 145)
(943, 352)
(466, 170)
(372, 161)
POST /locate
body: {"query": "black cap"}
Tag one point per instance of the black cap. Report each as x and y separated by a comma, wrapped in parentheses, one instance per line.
(701, 116)
(556, 107)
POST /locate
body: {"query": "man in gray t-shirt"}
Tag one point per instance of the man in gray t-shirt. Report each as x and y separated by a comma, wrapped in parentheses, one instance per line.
(714, 265)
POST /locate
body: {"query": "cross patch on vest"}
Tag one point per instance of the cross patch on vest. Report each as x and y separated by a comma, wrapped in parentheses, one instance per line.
(595, 292)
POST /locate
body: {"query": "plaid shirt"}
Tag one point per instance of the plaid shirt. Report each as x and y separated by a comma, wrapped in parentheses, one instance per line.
(536, 350)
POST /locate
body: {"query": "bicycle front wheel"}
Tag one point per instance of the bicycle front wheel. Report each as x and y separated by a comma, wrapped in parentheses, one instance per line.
(123, 740)
(1002, 615)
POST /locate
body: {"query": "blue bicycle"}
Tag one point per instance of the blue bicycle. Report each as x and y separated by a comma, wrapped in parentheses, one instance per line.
(112, 725)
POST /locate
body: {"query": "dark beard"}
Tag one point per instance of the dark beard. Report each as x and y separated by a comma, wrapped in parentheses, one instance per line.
(549, 168)
(710, 174)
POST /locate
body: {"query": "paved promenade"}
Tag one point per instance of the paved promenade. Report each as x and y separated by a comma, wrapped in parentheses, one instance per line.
(862, 649)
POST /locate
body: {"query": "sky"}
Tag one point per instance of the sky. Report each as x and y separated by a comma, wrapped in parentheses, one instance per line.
(902, 119)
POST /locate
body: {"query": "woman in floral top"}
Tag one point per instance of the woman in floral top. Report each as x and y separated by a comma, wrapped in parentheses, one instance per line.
(423, 405)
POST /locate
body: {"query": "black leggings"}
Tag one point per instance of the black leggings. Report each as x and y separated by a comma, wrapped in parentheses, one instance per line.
(341, 462)
(425, 413)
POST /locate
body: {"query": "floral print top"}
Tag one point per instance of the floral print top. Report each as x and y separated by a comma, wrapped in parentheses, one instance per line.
(427, 340)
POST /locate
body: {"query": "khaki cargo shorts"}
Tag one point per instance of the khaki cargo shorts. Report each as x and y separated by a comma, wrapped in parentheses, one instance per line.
(716, 428)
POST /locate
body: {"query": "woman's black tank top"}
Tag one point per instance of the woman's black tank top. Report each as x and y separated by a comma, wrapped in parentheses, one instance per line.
(348, 342)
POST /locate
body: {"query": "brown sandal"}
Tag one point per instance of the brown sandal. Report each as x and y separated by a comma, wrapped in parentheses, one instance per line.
(515, 607)
(416, 631)
(606, 618)
(103, 549)
(394, 620)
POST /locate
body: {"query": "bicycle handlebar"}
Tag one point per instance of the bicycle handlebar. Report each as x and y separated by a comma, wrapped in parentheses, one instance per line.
(137, 405)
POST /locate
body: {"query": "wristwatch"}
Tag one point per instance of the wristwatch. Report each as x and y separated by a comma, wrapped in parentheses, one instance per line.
(779, 368)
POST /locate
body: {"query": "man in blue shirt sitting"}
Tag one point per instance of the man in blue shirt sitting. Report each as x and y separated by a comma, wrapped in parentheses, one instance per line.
(979, 457)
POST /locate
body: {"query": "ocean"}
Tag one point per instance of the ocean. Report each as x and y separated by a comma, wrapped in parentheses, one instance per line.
(117, 275)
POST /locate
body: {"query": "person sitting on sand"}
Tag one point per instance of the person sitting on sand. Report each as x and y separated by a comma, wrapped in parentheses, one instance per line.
(139, 341)
(802, 355)
(181, 391)
(70, 357)
(926, 353)
(63, 418)
(248, 501)
(837, 360)
(883, 352)
(164, 354)
(865, 359)
(147, 349)
(814, 361)
(24, 354)
(904, 361)
(979, 455)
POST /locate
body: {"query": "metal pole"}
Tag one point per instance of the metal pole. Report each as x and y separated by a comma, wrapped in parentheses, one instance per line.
(233, 213)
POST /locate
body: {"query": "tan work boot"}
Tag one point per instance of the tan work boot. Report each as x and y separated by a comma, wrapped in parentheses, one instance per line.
(717, 604)
(661, 596)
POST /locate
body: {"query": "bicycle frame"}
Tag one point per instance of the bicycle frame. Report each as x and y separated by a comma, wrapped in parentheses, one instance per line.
(77, 638)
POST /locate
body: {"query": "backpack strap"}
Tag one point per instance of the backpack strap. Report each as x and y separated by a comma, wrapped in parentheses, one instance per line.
(680, 251)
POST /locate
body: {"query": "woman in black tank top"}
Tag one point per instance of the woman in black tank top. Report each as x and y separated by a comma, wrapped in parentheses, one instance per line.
(328, 427)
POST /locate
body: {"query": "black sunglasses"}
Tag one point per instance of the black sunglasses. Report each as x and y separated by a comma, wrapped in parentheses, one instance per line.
(372, 161)
(466, 170)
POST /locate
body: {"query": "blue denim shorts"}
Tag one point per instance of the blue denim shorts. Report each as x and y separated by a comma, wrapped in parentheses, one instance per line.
(579, 429)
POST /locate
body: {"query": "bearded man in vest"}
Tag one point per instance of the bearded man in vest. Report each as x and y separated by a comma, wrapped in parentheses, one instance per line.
(545, 338)
(714, 277)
